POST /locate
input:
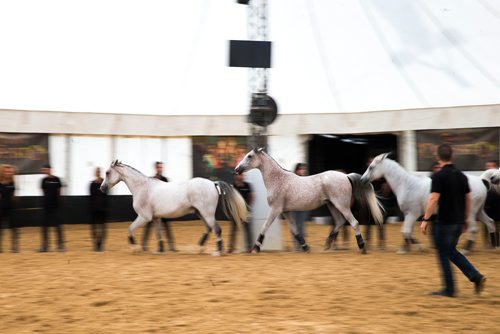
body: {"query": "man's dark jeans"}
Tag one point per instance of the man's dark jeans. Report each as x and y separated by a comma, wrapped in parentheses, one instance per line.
(446, 239)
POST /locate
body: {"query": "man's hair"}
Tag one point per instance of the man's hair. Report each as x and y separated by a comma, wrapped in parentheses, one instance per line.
(157, 163)
(445, 152)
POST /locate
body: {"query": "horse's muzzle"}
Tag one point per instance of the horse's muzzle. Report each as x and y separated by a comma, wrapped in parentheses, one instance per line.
(104, 188)
(238, 170)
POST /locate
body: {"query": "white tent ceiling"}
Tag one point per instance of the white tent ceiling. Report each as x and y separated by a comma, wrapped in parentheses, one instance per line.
(169, 57)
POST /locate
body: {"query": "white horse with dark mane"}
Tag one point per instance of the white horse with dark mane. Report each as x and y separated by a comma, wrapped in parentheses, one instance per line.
(287, 192)
(153, 199)
(412, 193)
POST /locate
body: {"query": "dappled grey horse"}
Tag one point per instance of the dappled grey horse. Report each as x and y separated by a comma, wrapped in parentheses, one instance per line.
(287, 192)
(153, 199)
(412, 193)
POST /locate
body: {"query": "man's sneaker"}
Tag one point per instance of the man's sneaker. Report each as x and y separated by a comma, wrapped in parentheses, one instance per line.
(479, 284)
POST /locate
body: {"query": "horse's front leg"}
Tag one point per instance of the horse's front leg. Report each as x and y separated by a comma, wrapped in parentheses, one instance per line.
(293, 228)
(407, 231)
(269, 220)
(138, 222)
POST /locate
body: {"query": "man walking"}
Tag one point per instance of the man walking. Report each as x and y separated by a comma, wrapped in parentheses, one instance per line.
(450, 189)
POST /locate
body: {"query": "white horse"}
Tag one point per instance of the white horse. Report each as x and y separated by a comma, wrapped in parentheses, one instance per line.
(412, 193)
(153, 199)
(287, 192)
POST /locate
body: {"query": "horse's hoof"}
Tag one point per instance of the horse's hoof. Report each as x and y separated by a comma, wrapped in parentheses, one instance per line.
(201, 250)
(363, 250)
(421, 248)
(216, 253)
(327, 246)
(306, 249)
(256, 249)
(402, 251)
(135, 249)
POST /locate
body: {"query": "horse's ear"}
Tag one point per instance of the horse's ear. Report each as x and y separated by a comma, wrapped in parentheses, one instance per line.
(113, 164)
(386, 155)
(260, 149)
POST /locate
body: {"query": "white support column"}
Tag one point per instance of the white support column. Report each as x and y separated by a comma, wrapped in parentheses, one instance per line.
(407, 148)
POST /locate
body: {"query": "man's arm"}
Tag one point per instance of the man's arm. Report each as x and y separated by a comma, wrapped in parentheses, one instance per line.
(429, 211)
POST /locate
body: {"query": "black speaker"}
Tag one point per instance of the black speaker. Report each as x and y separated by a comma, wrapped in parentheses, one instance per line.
(250, 54)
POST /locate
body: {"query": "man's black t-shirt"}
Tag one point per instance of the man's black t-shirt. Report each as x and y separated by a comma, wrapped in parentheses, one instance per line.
(98, 199)
(452, 185)
(245, 190)
(51, 186)
(6, 195)
(161, 177)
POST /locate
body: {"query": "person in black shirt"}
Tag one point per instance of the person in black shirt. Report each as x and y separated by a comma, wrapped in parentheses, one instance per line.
(7, 193)
(245, 190)
(51, 187)
(450, 189)
(166, 222)
(98, 210)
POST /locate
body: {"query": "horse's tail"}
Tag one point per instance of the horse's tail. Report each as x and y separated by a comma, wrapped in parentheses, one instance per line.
(233, 204)
(363, 193)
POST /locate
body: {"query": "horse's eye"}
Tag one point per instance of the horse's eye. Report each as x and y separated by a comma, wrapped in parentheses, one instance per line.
(107, 173)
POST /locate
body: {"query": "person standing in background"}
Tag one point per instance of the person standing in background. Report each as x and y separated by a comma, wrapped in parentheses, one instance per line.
(7, 201)
(166, 223)
(51, 186)
(245, 190)
(98, 211)
(300, 217)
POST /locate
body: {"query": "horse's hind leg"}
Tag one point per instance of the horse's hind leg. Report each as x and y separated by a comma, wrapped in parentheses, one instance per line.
(338, 222)
(346, 212)
(293, 228)
(159, 238)
(212, 224)
(204, 236)
(490, 225)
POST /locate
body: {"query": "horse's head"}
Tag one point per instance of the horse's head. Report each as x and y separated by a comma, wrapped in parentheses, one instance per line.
(374, 170)
(251, 160)
(112, 177)
(495, 178)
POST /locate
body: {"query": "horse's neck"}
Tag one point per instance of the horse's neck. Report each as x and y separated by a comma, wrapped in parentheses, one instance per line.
(271, 171)
(397, 177)
(133, 179)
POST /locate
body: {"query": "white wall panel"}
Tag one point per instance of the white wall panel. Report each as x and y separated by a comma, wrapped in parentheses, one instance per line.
(86, 153)
(178, 158)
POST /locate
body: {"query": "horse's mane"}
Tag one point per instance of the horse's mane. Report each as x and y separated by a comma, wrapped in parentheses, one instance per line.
(277, 164)
(121, 164)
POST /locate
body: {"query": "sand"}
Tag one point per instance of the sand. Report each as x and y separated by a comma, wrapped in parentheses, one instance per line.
(81, 291)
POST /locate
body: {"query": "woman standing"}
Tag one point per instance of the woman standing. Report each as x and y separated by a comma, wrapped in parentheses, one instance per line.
(7, 193)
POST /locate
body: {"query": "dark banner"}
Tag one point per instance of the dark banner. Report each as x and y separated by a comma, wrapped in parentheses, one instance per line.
(471, 147)
(215, 157)
(26, 151)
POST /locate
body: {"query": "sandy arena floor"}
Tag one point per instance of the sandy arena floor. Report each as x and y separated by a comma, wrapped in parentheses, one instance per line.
(321, 292)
